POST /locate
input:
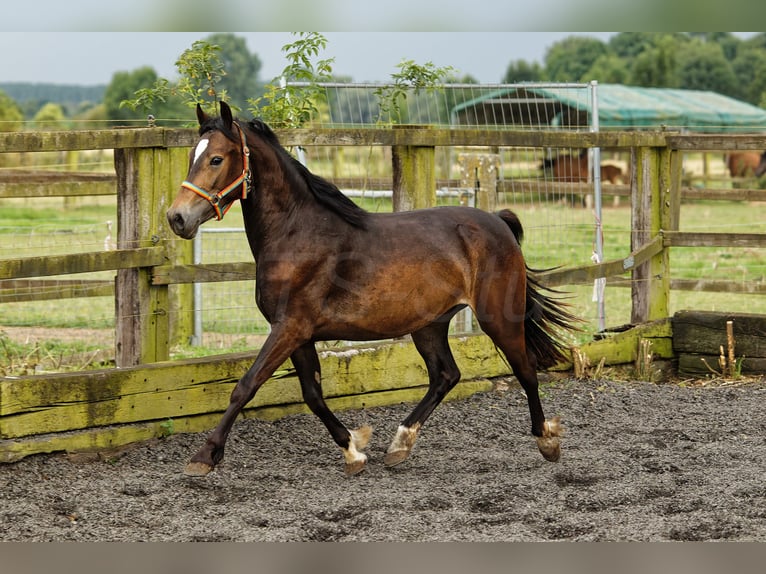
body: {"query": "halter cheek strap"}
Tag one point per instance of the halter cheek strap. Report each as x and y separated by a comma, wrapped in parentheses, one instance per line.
(243, 180)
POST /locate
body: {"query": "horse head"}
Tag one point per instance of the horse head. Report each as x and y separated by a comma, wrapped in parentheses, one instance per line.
(219, 165)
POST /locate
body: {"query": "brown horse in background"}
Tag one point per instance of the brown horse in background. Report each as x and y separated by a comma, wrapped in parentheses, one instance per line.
(745, 163)
(574, 169)
(328, 270)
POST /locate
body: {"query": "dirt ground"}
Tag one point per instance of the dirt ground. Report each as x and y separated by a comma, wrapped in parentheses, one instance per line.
(640, 462)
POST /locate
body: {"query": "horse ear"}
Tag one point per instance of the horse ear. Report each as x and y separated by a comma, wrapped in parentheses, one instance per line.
(226, 114)
(202, 117)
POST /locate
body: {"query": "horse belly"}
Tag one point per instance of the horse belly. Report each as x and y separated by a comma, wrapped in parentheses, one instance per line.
(394, 302)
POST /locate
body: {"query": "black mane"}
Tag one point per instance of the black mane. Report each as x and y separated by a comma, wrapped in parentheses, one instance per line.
(325, 192)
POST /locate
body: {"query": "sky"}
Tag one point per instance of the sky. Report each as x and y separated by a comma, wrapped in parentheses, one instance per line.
(91, 58)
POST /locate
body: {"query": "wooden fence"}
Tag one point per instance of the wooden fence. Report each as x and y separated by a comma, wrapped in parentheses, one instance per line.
(107, 408)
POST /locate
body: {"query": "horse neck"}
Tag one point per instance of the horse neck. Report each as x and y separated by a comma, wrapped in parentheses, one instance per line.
(276, 198)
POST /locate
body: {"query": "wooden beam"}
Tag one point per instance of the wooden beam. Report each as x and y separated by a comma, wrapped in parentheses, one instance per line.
(588, 273)
(16, 290)
(203, 273)
(689, 239)
(81, 262)
(718, 286)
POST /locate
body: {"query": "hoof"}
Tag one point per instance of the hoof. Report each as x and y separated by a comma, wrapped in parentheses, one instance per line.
(548, 444)
(549, 448)
(197, 469)
(352, 468)
(356, 460)
(395, 457)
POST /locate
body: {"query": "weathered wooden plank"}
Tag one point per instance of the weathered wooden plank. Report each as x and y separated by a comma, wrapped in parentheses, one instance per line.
(66, 140)
(698, 239)
(81, 262)
(64, 402)
(715, 142)
(703, 332)
(719, 286)
(734, 194)
(114, 436)
(588, 273)
(182, 137)
(174, 137)
(470, 137)
(621, 348)
(695, 364)
(58, 189)
(16, 290)
(42, 176)
(203, 273)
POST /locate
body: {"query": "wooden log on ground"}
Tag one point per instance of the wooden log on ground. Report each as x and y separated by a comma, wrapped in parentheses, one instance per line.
(699, 336)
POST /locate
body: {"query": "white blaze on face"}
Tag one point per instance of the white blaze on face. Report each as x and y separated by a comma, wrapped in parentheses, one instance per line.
(201, 147)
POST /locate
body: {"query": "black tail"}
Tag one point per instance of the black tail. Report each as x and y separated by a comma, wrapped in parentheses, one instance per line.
(546, 316)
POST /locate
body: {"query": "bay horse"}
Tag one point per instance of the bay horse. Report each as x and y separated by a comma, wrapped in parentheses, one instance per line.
(761, 168)
(574, 169)
(746, 163)
(328, 270)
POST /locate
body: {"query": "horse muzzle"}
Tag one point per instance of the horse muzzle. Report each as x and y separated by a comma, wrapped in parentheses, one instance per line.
(183, 223)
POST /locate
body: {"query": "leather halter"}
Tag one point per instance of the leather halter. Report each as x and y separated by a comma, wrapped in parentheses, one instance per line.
(244, 180)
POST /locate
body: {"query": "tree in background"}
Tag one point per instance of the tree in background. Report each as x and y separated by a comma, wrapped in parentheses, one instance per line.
(523, 71)
(242, 68)
(570, 59)
(655, 65)
(11, 118)
(703, 66)
(50, 117)
(609, 69)
(749, 67)
(712, 61)
(124, 85)
(291, 106)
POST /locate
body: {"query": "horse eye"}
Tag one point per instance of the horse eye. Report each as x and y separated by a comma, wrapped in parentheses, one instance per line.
(217, 160)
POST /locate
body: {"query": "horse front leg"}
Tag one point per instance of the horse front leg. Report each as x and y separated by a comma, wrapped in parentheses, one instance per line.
(275, 351)
(306, 363)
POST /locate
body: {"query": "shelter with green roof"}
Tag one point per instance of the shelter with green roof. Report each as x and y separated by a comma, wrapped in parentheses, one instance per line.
(619, 107)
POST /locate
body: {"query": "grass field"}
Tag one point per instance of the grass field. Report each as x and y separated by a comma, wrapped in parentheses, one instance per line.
(556, 235)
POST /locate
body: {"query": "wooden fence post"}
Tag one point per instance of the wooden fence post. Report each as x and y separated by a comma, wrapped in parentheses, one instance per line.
(654, 208)
(414, 170)
(147, 180)
(479, 171)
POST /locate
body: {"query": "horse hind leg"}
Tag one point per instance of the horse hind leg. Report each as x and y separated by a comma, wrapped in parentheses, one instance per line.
(352, 442)
(443, 374)
(509, 338)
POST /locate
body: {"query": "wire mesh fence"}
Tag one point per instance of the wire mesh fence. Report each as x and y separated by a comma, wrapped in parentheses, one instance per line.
(562, 227)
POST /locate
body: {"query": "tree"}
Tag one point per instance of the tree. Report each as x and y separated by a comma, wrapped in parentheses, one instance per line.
(50, 117)
(703, 66)
(11, 118)
(523, 71)
(630, 44)
(123, 86)
(290, 106)
(609, 69)
(655, 66)
(570, 59)
(242, 68)
(749, 67)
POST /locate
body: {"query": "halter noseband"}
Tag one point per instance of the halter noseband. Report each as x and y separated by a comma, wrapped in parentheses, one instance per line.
(244, 180)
